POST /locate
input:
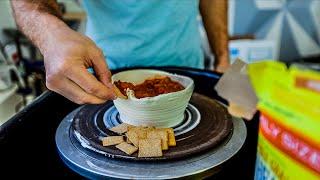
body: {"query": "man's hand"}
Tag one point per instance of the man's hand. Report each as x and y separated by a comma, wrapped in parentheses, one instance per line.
(67, 58)
(67, 54)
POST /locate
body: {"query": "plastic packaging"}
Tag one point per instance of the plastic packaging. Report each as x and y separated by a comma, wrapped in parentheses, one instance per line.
(289, 130)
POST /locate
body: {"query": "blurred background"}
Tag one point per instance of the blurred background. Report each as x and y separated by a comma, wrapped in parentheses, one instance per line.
(286, 30)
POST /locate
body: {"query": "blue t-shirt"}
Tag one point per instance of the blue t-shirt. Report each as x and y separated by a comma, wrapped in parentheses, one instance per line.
(146, 32)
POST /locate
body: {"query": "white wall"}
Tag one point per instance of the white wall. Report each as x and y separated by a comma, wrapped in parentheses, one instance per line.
(6, 18)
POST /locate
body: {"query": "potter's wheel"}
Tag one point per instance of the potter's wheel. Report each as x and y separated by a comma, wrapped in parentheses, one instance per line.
(93, 162)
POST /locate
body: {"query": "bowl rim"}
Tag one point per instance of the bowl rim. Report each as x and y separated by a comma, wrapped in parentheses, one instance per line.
(189, 87)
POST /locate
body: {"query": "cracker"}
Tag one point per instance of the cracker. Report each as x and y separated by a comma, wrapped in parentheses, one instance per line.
(150, 148)
(135, 133)
(133, 137)
(112, 140)
(149, 128)
(142, 134)
(121, 128)
(128, 140)
(118, 92)
(162, 134)
(140, 131)
(171, 137)
(127, 148)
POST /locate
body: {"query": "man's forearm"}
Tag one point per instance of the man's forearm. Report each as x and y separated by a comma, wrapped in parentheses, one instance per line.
(214, 16)
(38, 20)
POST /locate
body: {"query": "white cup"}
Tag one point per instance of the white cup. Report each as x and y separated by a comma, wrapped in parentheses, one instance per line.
(165, 110)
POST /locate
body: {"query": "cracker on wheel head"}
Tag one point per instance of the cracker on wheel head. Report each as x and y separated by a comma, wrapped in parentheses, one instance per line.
(171, 137)
(121, 128)
(112, 140)
(133, 137)
(150, 148)
(159, 133)
(127, 148)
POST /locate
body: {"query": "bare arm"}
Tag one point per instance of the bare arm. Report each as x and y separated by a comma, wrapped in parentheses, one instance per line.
(215, 19)
(67, 54)
(37, 19)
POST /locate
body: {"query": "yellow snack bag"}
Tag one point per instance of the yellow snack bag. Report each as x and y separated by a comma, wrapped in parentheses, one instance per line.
(289, 130)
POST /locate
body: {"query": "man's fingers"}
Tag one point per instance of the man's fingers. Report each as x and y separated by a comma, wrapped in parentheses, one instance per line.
(89, 83)
(73, 92)
(101, 68)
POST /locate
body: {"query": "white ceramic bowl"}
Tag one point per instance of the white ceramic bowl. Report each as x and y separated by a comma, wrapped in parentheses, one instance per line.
(165, 110)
